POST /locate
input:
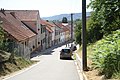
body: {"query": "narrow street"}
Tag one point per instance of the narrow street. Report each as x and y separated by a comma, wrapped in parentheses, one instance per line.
(50, 67)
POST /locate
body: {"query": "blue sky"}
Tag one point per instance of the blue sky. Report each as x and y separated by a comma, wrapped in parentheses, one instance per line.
(45, 7)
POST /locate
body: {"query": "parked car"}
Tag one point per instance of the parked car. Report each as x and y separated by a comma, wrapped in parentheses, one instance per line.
(65, 53)
(73, 47)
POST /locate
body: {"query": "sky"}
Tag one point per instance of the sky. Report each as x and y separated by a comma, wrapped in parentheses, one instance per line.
(46, 8)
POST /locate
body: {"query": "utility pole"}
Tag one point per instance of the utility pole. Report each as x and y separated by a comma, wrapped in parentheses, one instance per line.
(84, 50)
(71, 27)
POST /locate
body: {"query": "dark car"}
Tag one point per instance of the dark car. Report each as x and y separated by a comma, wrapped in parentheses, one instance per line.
(65, 53)
(73, 47)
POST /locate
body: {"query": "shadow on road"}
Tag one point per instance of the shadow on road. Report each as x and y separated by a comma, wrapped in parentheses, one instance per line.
(67, 59)
(45, 52)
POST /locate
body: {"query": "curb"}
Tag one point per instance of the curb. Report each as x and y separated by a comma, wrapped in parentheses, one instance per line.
(78, 63)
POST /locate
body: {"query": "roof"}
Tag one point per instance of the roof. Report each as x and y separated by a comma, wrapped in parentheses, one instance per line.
(48, 25)
(26, 15)
(64, 28)
(49, 29)
(44, 22)
(31, 25)
(15, 27)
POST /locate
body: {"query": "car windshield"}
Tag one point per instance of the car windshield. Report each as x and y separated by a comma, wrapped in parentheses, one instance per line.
(66, 50)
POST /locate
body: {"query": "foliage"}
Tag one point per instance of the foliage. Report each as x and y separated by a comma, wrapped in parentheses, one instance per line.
(64, 20)
(2, 38)
(5, 44)
(1, 33)
(106, 12)
(78, 31)
(106, 55)
(94, 30)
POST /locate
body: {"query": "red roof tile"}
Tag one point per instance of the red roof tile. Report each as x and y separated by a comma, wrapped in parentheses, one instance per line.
(50, 30)
(65, 28)
(44, 22)
(15, 27)
(26, 15)
(48, 25)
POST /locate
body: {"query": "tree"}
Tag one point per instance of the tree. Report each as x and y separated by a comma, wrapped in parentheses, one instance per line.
(1, 31)
(1, 35)
(64, 20)
(94, 30)
(78, 28)
(107, 12)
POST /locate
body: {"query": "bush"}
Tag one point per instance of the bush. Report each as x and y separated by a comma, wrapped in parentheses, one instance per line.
(107, 55)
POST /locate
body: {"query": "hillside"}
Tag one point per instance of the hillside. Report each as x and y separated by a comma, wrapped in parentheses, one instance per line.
(7, 67)
(59, 17)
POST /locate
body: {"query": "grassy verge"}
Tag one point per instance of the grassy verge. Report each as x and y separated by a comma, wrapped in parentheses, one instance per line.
(7, 67)
(92, 74)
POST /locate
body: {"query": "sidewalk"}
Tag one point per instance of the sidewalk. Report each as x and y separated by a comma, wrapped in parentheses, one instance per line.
(78, 63)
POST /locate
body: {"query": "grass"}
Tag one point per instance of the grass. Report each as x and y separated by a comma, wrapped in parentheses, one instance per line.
(93, 74)
(7, 67)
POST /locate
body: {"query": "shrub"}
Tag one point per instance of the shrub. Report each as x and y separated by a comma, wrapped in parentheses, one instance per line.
(107, 55)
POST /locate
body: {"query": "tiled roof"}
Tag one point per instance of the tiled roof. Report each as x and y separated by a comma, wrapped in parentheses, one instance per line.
(26, 15)
(64, 28)
(15, 27)
(50, 30)
(44, 22)
(48, 25)
(31, 25)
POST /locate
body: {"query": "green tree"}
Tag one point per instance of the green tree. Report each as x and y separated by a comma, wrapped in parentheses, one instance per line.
(94, 30)
(78, 28)
(107, 12)
(1, 35)
(3, 40)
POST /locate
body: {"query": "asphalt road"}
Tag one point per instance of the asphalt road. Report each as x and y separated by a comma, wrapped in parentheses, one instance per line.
(50, 67)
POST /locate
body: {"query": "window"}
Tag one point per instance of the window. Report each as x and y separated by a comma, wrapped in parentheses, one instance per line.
(33, 46)
(25, 43)
(66, 50)
(41, 29)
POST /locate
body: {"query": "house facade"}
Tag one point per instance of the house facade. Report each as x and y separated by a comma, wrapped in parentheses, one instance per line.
(48, 33)
(17, 33)
(31, 19)
(28, 32)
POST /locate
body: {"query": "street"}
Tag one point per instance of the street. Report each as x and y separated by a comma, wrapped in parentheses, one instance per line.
(50, 67)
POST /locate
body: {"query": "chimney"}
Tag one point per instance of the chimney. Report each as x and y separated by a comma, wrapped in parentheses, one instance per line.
(13, 14)
(3, 11)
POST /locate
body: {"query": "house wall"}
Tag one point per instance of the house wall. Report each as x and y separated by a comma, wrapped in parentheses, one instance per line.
(57, 35)
(42, 37)
(62, 37)
(32, 43)
(38, 40)
(50, 39)
(21, 48)
(67, 35)
(53, 35)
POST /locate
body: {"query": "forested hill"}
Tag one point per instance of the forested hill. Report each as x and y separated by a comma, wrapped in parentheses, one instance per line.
(59, 17)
